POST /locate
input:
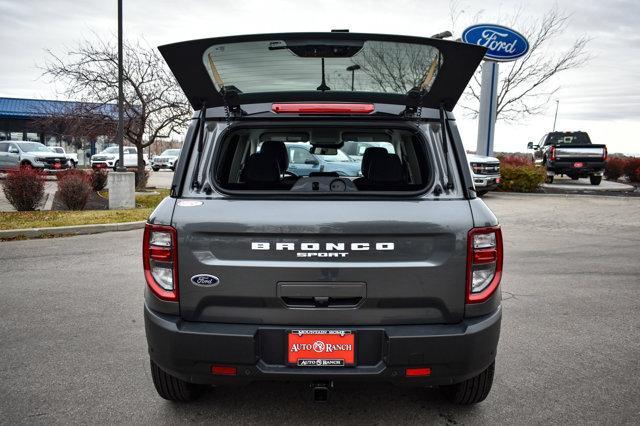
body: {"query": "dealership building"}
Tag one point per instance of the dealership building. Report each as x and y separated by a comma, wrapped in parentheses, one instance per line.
(26, 120)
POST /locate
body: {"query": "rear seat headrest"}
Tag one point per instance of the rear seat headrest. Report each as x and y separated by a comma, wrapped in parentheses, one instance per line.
(277, 150)
(385, 168)
(261, 168)
(369, 154)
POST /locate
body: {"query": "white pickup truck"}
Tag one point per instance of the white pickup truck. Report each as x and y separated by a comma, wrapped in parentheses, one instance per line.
(72, 157)
(108, 158)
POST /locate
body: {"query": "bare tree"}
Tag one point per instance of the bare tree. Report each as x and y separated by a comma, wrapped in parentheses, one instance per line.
(77, 121)
(154, 106)
(526, 85)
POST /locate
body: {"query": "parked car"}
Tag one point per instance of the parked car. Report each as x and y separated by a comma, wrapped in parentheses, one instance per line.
(109, 158)
(72, 157)
(485, 171)
(390, 273)
(167, 160)
(302, 162)
(15, 154)
(571, 154)
(357, 149)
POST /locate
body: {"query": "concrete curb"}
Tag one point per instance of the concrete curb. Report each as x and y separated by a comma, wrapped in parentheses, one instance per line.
(71, 230)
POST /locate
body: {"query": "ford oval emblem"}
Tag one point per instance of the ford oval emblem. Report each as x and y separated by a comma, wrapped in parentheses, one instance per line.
(502, 43)
(205, 280)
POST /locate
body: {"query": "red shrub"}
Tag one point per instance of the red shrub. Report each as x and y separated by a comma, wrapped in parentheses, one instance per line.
(70, 172)
(631, 169)
(615, 168)
(74, 190)
(24, 188)
(515, 160)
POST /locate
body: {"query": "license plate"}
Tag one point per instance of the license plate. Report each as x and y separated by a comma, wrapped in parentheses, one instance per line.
(321, 348)
(99, 166)
(578, 165)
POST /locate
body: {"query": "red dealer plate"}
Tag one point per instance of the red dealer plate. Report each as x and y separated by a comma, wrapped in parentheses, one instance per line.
(578, 165)
(321, 348)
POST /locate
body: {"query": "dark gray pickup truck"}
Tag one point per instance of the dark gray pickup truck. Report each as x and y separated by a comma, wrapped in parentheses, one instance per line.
(571, 154)
(256, 273)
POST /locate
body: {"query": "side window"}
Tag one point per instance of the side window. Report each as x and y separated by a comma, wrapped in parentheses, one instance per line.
(13, 148)
(299, 155)
(4, 147)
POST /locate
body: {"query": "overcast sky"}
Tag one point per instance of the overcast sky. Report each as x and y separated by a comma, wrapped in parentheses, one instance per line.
(602, 98)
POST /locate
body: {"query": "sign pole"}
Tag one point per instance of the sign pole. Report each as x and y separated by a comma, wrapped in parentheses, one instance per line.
(488, 108)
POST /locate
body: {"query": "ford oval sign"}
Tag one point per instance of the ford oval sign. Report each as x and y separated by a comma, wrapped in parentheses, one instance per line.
(205, 280)
(502, 43)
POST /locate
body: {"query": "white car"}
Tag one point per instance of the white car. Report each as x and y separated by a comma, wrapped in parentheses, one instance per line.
(167, 160)
(108, 158)
(72, 157)
(485, 172)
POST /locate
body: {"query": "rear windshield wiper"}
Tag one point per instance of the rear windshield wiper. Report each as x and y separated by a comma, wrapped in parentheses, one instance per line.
(195, 183)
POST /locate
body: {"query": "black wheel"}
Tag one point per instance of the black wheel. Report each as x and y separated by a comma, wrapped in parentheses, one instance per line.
(595, 180)
(575, 177)
(471, 391)
(171, 388)
(155, 169)
(115, 166)
(481, 193)
(549, 179)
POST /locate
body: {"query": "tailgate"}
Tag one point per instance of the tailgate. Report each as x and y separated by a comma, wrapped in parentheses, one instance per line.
(322, 262)
(580, 152)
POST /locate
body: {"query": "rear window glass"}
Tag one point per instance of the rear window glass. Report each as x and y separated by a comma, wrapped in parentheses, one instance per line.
(322, 160)
(370, 66)
(568, 139)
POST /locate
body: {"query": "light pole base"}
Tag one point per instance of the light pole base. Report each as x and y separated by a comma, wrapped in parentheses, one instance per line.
(122, 190)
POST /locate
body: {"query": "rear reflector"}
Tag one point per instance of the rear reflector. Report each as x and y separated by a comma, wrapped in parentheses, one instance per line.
(308, 108)
(417, 372)
(223, 370)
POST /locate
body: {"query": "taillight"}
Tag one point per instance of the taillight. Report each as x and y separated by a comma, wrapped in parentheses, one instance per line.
(322, 108)
(160, 260)
(552, 153)
(605, 154)
(484, 263)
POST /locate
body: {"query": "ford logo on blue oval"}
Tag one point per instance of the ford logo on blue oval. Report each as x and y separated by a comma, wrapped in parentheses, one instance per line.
(205, 280)
(502, 43)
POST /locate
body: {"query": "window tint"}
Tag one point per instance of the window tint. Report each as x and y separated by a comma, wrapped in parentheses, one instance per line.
(4, 147)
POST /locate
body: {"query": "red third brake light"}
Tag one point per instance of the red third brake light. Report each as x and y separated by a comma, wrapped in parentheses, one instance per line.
(484, 263)
(160, 260)
(320, 108)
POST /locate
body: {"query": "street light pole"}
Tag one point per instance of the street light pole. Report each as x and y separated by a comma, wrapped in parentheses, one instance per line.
(555, 118)
(120, 137)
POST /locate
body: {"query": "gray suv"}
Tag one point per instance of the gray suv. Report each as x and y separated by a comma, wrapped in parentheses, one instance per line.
(390, 274)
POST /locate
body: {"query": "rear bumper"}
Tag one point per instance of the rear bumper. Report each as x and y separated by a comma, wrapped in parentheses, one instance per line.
(567, 167)
(453, 352)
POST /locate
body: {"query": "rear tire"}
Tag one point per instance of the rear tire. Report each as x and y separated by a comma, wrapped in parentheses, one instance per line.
(155, 169)
(595, 180)
(471, 391)
(171, 388)
(549, 179)
(481, 193)
(115, 166)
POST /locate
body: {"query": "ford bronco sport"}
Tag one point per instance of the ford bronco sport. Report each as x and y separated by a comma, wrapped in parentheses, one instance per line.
(255, 272)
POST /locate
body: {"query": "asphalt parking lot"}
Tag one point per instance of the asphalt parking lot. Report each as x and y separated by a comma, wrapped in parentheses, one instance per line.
(73, 346)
